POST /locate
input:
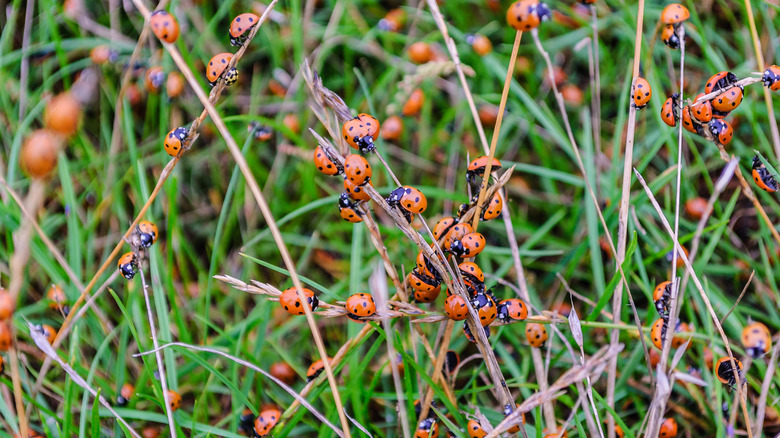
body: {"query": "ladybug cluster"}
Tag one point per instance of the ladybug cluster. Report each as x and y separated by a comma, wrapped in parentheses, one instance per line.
(144, 236)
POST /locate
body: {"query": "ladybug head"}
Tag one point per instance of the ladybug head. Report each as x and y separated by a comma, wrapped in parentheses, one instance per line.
(543, 11)
(757, 162)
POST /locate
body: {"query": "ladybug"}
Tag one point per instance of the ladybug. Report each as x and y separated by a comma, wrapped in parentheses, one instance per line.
(508, 410)
(240, 28)
(348, 209)
(470, 336)
(425, 267)
(174, 141)
(409, 199)
(472, 277)
(701, 111)
(315, 369)
(428, 428)
(283, 371)
(669, 37)
(696, 207)
(619, 432)
(246, 421)
(393, 21)
(414, 104)
(480, 43)
(165, 26)
(642, 93)
(148, 233)
(174, 400)
(661, 296)
(451, 361)
(218, 67)
(102, 54)
(292, 303)
(427, 296)
(357, 170)
(266, 421)
(675, 13)
(756, 339)
(392, 128)
(457, 232)
(658, 332)
(420, 52)
(475, 430)
(444, 225)
(525, 15)
(360, 306)
(726, 102)
(485, 307)
(722, 131)
(771, 78)
(324, 164)
(725, 372)
(260, 132)
(125, 394)
(48, 331)
(512, 309)
(5, 336)
(493, 209)
(536, 334)
(719, 81)
(421, 282)
(356, 192)
(678, 341)
(471, 245)
(154, 79)
(174, 85)
(57, 299)
(455, 308)
(688, 122)
(477, 168)
(668, 428)
(762, 177)
(127, 265)
(669, 111)
(361, 132)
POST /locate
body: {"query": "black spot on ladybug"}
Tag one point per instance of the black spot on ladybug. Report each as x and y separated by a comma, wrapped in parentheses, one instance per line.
(223, 61)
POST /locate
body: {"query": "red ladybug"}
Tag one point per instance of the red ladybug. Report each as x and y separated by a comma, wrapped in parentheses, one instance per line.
(359, 306)
(493, 209)
(468, 247)
(726, 373)
(218, 68)
(425, 267)
(165, 26)
(470, 336)
(356, 192)
(642, 93)
(290, 301)
(719, 81)
(361, 132)
(443, 226)
(477, 167)
(688, 123)
(756, 339)
(661, 296)
(240, 28)
(456, 232)
(670, 110)
(421, 282)
(428, 428)
(762, 177)
(128, 265)
(525, 15)
(174, 141)
(701, 111)
(410, 200)
(513, 309)
(536, 334)
(771, 78)
(148, 233)
(455, 308)
(427, 296)
(726, 102)
(348, 210)
(668, 428)
(472, 276)
(324, 163)
(356, 169)
(722, 131)
(669, 37)
(675, 13)
(266, 421)
(315, 369)
(125, 394)
(485, 307)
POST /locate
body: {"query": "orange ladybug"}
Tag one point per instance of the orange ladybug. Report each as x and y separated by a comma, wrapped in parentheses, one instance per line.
(771, 78)
(725, 372)
(283, 371)
(480, 43)
(525, 15)
(266, 421)
(218, 68)
(392, 128)
(57, 299)
(512, 309)
(154, 79)
(48, 331)
(722, 131)
(356, 192)
(485, 307)
(477, 167)
(409, 199)
(240, 28)
(128, 265)
(348, 209)
(762, 177)
(174, 141)
(458, 231)
(414, 104)
(661, 296)
(675, 13)
(428, 428)
(148, 233)
(756, 339)
(5, 336)
(726, 102)
(174, 400)
(174, 85)
(688, 123)
(669, 37)
(696, 207)
(455, 308)
(360, 306)
(125, 394)
(356, 169)
(701, 111)
(668, 428)
(670, 110)
(719, 81)
(536, 334)
(290, 301)
(324, 163)
(443, 226)
(7, 305)
(657, 333)
(470, 246)
(475, 430)
(472, 277)
(427, 296)
(361, 132)
(420, 52)
(493, 209)
(642, 93)
(165, 26)
(102, 55)
(315, 369)
(421, 282)
(393, 21)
